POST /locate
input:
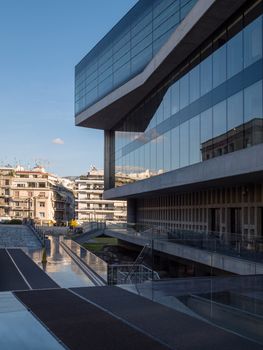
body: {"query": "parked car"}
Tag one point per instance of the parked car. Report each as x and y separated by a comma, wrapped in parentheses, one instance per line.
(4, 219)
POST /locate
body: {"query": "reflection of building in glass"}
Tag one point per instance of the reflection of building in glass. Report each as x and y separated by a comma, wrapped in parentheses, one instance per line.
(197, 96)
(90, 205)
(245, 135)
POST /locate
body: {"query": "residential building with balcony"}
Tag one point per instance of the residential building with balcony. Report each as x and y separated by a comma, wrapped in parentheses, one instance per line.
(6, 176)
(89, 202)
(35, 194)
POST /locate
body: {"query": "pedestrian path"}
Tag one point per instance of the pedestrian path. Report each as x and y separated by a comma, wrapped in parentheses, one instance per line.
(174, 328)
(20, 330)
(21, 273)
(81, 325)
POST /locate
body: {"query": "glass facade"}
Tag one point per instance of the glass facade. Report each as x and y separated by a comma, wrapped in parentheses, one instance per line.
(212, 105)
(127, 49)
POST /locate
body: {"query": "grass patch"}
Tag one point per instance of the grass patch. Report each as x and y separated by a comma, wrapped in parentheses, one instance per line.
(98, 243)
(106, 240)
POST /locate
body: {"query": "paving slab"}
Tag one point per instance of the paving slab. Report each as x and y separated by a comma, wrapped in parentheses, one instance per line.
(35, 276)
(19, 330)
(174, 328)
(81, 325)
(10, 278)
(18, 236)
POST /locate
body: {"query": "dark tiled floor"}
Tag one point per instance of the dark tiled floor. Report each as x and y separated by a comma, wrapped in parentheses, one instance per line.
(176, 329)
(36, 277)
(10, 278)
(81, 325)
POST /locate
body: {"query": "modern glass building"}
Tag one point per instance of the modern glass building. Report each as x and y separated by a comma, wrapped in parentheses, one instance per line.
(177, 87)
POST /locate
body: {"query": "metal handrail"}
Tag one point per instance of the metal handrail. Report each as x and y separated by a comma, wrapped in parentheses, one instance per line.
(138, 260)
(142, 273)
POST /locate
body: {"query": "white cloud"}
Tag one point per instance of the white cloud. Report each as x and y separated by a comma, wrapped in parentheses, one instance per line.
(58, 141)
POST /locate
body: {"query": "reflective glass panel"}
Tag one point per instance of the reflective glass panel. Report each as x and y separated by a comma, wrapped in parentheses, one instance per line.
(253, 42)
(175, 148)
(235, 111)
(253, 101)
(219, 66)
(219, 119)
(184, 144)
(195, 140)
(206, 75)
(167, 151)
(184, 91)
(159, 154)
(194, 83)
(175, 98)
(235, 55)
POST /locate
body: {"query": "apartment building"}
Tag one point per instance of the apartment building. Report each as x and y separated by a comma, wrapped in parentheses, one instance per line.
(35, 194)
(89, 202)
(6, 175)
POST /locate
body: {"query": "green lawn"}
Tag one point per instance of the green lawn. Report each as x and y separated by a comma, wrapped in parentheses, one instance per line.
(98, 243)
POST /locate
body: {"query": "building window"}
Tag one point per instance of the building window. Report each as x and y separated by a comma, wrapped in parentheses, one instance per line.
(42, 214)
(42, 204)
(42, 184)
(32, 184)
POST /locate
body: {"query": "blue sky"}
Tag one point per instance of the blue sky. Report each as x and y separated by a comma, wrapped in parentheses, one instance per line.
(41, 42)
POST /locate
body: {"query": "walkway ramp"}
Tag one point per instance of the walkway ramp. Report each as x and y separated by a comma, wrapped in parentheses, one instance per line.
(177, 330)
(19, 272)
(20, 330)
(35, 276)
(80, 325)
(10, 278)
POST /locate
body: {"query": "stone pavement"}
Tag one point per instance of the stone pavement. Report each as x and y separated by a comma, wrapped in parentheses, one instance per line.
(18, 236)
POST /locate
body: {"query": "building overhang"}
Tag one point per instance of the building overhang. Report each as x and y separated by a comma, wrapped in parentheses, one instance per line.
(205, 17)
(241, 167)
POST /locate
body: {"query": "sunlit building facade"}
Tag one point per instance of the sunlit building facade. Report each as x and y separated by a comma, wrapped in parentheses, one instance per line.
(89, 202)
(35, 194)
(183, 116)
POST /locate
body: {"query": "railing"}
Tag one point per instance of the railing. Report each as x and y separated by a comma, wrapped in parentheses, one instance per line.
(234, 303)
(232, 244)
(37, 232)
(121, 274)
(96, 264)
(111, 274)
(91, 226)
(137, 262)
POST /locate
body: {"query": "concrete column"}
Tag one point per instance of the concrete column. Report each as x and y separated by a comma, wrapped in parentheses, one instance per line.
(109, 159)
